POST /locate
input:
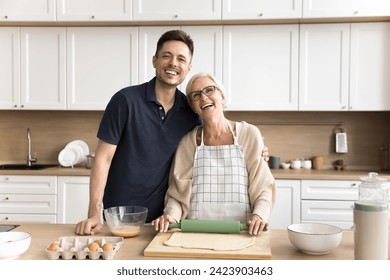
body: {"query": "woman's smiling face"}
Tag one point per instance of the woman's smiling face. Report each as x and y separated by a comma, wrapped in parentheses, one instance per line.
(211, 99)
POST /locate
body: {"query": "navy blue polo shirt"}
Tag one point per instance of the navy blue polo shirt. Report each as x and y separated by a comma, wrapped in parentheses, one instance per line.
(146, 140)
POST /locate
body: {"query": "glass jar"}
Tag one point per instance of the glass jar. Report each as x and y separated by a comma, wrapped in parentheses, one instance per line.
(374, 189)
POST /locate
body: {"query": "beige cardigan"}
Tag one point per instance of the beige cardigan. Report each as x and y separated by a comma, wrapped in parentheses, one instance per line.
(261, 187)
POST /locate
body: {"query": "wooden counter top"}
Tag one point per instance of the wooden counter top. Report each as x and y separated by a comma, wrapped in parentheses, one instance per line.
(290, 174)
(132, 249)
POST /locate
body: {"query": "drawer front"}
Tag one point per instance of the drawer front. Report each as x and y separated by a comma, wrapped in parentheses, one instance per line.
(319, 210)
(28, 184)
(33, 204)
(329, 190)
(28, 218)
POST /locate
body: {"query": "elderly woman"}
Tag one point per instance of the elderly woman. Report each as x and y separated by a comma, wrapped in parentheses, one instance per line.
(217, 173)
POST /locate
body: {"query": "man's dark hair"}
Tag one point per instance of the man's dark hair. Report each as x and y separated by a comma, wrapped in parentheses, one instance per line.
(175, 35)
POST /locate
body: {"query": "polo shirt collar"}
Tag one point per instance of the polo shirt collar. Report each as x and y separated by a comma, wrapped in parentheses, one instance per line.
(150, 94)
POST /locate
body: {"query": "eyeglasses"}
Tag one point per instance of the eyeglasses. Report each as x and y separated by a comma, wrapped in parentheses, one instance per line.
(208, 91)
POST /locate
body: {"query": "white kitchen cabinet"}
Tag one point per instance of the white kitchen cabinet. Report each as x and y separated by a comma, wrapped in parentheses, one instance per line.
(73, 199)
(329, 201)
(100, 62)
(370, 67)
(94, 10)
(28, 198)
(27, 10)
(324, 67)
(207, 53)
(345, 8)
(287, 209)
(176, 10)
(260, 67)
(43, 68)
(261, 9)
(9, 67)
(33, 68)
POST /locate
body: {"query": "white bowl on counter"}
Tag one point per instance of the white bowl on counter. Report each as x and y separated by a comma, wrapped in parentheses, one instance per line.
(296, 164)
(314, 238)
(285, 165)
(306, 164)
(13, 244)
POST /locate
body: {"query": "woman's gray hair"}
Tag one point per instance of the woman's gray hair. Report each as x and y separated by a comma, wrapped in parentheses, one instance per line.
(201, 75)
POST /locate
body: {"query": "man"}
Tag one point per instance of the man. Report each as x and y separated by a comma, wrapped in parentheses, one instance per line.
(138, 135)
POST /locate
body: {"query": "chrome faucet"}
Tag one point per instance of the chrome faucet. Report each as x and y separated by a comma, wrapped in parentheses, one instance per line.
(30, 158)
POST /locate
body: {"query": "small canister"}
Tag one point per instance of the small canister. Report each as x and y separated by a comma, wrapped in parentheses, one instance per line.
(371, 219)
(371, 230)
(89, 161)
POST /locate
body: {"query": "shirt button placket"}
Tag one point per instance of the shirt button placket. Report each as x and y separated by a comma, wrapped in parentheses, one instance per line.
(162, 113)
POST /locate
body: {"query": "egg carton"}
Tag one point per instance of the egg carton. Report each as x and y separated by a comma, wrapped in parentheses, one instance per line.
(70, 247)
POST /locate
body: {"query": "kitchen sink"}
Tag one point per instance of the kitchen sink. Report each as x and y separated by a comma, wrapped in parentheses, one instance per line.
(25, 166)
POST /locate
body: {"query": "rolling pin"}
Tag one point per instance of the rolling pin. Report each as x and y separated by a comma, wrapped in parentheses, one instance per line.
(209, 226)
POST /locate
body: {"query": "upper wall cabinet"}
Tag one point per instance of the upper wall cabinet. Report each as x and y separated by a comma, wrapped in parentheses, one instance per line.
(344, 67)
(43, 68)
(9, 67)
(27, 10)
(370, 67)
(100, 62)
(94, 10)
(261, 9)
(32, 68)
(260, 67)
(345, 8)
(324, 67)
(176, 10)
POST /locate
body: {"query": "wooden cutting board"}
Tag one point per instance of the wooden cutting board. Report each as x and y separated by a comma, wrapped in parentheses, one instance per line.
(260, 250)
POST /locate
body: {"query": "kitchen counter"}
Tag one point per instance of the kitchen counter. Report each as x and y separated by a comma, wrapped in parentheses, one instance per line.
(132, 248)
(301, 174)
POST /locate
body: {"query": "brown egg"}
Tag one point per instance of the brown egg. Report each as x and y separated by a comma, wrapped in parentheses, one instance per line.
(53, 246)
(98, 242)
(93, 246)
(108, 247)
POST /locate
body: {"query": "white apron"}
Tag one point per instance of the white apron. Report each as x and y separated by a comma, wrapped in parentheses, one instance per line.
(220, 183)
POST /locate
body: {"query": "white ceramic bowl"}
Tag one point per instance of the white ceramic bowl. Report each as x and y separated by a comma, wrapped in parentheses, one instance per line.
(13, 244)
(285, 165)
(306, 164)
(296, 164)
(314, 238)
(126, 221)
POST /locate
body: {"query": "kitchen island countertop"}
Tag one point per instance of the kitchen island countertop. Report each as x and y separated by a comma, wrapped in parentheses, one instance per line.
(132, 248)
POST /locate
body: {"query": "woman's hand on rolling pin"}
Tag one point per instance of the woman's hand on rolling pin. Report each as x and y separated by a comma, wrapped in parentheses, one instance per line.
(162, 223)
(256, 225)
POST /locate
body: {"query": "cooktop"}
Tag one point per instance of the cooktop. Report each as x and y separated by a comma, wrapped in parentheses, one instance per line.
(7, 227)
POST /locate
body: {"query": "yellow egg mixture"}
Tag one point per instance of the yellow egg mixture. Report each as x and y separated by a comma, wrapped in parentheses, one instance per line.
(126, 231)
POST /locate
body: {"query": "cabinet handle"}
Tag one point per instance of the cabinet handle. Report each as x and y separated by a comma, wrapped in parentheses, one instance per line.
(260, 14)
(6, 17)
(92, 17)
(355, 12)
(175, 16)
(353, 185)
(15, 106)
(6, 198)
(6, 218)
(22, 106)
